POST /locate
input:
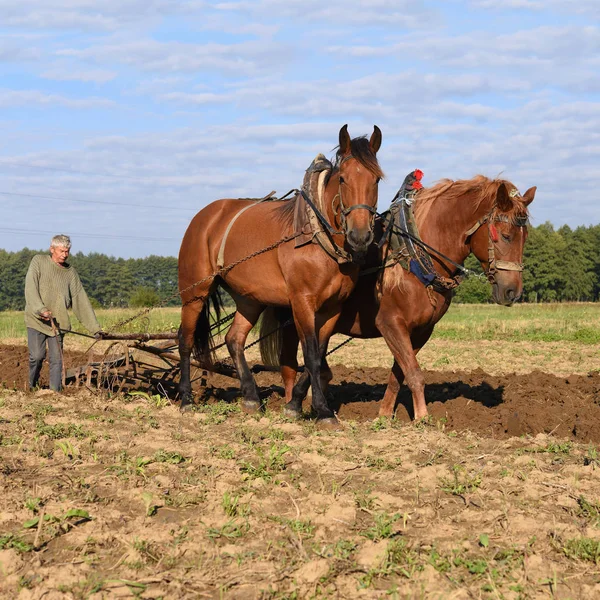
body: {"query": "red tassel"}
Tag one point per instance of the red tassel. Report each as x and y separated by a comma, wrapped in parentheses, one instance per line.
(493, 233)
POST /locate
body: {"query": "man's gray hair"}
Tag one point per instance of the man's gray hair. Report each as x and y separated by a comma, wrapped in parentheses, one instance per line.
(62, 241)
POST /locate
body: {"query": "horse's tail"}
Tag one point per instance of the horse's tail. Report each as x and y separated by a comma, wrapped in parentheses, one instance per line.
(203, 334)
(271, 332)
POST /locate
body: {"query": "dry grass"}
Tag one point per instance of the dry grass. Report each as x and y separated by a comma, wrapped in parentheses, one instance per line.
(551, 338)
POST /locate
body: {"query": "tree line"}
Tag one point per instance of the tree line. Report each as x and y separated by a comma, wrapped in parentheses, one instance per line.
(560, 265)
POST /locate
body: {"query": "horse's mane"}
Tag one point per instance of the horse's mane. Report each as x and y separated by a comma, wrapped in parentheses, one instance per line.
(481, 189)
(361, 151)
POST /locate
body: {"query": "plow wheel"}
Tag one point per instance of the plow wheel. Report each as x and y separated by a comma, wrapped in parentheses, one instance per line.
(113, 370)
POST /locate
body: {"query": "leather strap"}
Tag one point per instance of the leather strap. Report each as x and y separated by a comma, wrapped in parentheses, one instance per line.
(221, 255)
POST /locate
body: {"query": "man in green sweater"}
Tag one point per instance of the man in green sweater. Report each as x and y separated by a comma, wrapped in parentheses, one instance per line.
(52, 286)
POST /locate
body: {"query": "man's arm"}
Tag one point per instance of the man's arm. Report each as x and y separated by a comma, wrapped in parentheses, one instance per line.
(82, 307)
(32, 290)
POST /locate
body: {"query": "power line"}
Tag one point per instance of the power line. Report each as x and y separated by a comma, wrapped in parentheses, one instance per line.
(96, 201)
(88, 235)
(65, 170)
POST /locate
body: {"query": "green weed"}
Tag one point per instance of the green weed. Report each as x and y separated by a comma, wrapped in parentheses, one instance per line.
(583, 549)
(232, 506)
(172, 458)
(461, 482)
(269, 464)
(383, 527)
(232, 529)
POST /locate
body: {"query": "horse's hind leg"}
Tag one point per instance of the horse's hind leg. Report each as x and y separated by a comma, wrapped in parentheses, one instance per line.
(190, 313)
(388, 403)
(245, 318)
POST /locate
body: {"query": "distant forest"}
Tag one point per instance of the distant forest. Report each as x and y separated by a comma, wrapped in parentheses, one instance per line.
(560, 265)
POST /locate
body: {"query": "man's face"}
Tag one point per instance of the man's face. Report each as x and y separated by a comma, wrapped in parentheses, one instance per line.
(59, 254)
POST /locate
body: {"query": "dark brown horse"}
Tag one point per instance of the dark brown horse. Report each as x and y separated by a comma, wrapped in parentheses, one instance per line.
(305, 278)
(479, 215)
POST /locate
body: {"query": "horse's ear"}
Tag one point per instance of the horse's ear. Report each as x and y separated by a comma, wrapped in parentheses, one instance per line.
(375, 141)
(529, 195)
(503, 200)
(344, 140)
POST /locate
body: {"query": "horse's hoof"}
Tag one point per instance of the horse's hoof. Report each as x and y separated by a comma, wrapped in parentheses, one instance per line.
(186, 408)
(289, 413)
(250, 406)
(329, 423)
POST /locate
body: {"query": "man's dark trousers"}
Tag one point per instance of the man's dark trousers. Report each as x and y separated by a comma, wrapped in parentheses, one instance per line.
(36, 340)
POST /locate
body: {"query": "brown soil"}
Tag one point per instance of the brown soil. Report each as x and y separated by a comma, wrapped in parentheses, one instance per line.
(110, 495)
(14, 366)
(495, 406)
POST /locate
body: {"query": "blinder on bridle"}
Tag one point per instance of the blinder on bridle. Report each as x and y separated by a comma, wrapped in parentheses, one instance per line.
(345, 211)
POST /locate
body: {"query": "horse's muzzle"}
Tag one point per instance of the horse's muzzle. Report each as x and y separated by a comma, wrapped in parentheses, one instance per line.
(360, 241)
(504, 296)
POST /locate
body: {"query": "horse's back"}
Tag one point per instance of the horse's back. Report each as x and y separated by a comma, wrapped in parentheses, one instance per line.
(229, 230)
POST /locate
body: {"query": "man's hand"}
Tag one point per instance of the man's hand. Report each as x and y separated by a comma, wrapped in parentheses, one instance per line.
(99, 335)
(46, 315)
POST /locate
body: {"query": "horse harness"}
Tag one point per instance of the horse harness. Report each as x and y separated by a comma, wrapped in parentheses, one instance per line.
(411, 253)
(321, 231)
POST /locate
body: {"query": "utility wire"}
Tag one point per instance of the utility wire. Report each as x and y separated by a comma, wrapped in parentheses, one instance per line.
(88, 235)
(65, 170)
(96, 201)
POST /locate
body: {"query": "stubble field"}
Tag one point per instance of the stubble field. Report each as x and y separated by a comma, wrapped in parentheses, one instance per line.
(496, 496)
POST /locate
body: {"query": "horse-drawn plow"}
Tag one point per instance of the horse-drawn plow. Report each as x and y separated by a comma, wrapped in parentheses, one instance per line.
(144, 361)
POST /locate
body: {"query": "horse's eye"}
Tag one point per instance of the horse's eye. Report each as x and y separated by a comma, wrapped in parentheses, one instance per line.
(505, 237)
(341, 179)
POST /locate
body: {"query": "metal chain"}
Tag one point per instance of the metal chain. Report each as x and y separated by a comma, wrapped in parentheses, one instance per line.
(219, 272)
(346, 341)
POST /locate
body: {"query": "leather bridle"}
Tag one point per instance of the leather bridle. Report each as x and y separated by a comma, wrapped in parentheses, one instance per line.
(495, 265)
(345, 211)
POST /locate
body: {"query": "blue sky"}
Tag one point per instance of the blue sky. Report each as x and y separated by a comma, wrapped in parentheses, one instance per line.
(121, 119)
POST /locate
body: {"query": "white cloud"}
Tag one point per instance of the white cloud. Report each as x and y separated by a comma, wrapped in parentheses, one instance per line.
(19, 98)
(584, 7)
(245, 58)
(363, 13)
(110, 15)
(66, 73)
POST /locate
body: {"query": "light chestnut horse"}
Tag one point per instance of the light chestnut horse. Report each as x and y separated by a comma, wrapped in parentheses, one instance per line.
(306, 279)
(481, 216)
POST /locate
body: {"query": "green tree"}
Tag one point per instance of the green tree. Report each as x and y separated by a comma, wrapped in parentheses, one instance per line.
(543, 278)
(143, 296)
(577, 265)
(473, 290)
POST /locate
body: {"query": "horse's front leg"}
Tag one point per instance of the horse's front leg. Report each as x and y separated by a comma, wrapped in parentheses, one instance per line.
(245, 318)
(296, 392)
(399, 342)
(314, 330)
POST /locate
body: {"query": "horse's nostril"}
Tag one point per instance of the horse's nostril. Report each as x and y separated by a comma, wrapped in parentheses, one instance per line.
(510, 294)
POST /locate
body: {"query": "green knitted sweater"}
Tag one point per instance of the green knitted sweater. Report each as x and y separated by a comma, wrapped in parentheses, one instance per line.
(49, 286)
